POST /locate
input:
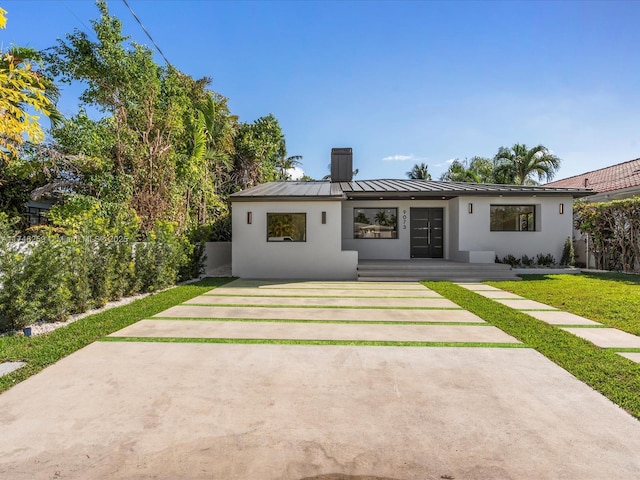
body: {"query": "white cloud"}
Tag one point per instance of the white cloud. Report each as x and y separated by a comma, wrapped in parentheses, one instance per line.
(295, 173)
(400, 158)
(445, 164)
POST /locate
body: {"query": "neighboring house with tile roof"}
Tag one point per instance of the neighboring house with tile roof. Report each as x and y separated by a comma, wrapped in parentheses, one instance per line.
(610, 183)
(321, 230)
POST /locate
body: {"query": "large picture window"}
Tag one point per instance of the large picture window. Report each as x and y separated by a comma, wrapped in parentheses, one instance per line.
(513, 218)
(286, 227)
(375, 223)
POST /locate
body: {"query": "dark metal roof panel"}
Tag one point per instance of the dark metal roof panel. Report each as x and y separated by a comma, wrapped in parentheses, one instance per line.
(450, 188)
(290, 189)
(366, 188)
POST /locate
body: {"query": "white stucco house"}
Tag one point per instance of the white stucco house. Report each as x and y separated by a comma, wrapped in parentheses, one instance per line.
(321, 230)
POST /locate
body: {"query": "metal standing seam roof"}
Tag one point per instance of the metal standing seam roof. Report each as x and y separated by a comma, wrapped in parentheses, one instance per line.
(364, 188)
(308, 190)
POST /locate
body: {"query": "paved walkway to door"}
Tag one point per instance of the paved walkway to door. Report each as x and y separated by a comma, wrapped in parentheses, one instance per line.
(301, 380)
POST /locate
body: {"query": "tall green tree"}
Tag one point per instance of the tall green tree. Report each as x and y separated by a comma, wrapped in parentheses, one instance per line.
(519, 165)
(258, 148)
(205, 170)
(419, 172)
(142, 136)
(24, 92)
(476, 170)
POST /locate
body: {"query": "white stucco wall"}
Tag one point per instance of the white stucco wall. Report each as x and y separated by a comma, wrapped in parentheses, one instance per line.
(552, 228)
(319, 258)
(388, 249)
(453, 239)
(467, 236)
(331, 252)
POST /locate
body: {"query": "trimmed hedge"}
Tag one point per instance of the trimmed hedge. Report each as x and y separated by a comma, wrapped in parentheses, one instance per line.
(49, 276)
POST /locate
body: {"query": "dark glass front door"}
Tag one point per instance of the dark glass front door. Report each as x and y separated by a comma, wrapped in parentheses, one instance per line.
(427, 232)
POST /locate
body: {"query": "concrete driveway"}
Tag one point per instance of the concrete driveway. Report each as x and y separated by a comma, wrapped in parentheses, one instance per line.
(165, 399)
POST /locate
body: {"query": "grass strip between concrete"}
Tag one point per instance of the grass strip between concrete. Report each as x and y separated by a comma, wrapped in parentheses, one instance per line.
(616, 377)
(293, 320)
(578, 326)
(43, 350)
(222, 294)
(336, 307)
(355, 343)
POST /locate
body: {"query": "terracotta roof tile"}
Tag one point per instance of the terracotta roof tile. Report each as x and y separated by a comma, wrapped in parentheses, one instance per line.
(616, 177)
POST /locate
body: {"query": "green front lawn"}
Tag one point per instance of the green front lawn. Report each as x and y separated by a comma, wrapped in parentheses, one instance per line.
(44, 350)
(612, 299)
(614, 376)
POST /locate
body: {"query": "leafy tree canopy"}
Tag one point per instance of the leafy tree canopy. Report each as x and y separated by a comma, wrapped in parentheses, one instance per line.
(24, 92)
(166, 145)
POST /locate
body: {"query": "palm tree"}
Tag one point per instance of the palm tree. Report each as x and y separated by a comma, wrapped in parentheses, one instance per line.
(476, 170)
(327, 178)
(381, 218)
(419, 172)
(459, 172)
(285, 165)
(518, 164)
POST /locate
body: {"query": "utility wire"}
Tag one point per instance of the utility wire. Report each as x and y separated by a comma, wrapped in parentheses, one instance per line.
(145, 31)
(89, 31)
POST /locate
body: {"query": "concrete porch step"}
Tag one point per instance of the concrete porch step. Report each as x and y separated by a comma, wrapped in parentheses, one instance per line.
(429, 269)
(427, 277)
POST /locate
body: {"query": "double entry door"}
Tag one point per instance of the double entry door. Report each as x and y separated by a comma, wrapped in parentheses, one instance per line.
(427, 232)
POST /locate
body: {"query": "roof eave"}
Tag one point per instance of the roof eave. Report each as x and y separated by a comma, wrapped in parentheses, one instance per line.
(282, 198)
(447, 195)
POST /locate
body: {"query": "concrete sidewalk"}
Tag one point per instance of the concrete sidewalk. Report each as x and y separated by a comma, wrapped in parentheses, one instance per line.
(138, 410)
(594, 332)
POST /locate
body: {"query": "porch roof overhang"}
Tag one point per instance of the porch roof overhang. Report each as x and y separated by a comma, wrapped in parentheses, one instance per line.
(429, 189)
(395, 189)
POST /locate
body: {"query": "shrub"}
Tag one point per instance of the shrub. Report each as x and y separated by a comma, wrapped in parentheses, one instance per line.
(17, 308)
(89, 258)
(160, 258)
(220, 229)
(511, 260)
(527, 261)
(545, 260)
(45, 270)
(194, 266)
(613, 230)
(104, 234)
(568, 253)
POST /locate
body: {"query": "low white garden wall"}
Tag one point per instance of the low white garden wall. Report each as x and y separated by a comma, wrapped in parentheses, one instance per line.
(218, 259)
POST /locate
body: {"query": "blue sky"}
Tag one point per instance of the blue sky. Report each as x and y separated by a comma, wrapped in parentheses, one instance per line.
(400, 82)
